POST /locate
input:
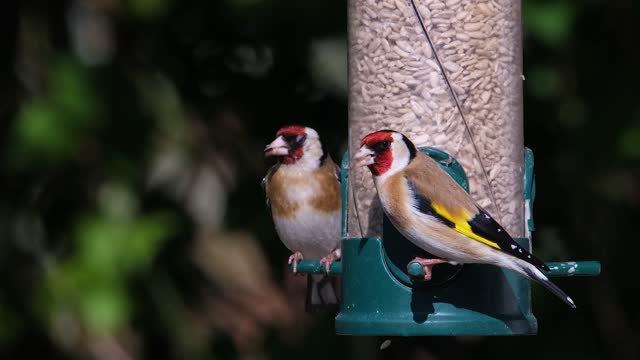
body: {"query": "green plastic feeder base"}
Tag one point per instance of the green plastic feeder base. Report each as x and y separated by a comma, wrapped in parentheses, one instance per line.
(380, 304)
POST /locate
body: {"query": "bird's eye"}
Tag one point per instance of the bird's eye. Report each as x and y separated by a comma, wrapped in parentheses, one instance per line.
(295, 141)
(383, 145)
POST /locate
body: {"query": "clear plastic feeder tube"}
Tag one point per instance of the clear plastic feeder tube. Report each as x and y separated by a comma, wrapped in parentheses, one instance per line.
(424, 67)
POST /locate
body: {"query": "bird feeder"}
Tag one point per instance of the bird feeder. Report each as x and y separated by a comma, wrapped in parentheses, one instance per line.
(447, 74)
(381, 293)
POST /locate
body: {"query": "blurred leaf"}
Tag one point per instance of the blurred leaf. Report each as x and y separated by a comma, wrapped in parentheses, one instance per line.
(145, 239)
(549, 22)
(9, 323)
(111, 246)
(104, 307)
(117, 201)
(51, 127)
(38, 131)
(161, 98)
(72, 93)
(148, 8)
(543, 81)
(629, 142)
(329, 64)
(100, 241)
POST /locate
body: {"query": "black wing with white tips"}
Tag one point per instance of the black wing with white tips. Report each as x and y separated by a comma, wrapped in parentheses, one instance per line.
(485, 226)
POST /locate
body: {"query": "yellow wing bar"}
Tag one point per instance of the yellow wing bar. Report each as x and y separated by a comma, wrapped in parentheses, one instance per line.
(461, 224)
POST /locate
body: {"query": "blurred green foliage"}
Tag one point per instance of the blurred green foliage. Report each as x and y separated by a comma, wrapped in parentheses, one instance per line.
(148, 8)
(111, 246)
(629, 144)
(49, 129)
(550, 22)
(544, 82)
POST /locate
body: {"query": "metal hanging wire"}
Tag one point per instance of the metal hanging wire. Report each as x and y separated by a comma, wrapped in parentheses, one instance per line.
(458, 106)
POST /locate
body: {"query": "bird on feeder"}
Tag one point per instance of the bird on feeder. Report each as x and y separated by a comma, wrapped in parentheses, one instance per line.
(303, 195)
(431, 210)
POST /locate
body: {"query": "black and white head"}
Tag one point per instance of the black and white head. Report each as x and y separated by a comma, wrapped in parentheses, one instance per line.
(296, 145)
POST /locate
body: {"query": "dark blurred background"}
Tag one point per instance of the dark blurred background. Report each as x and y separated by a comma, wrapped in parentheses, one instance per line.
(132, 224)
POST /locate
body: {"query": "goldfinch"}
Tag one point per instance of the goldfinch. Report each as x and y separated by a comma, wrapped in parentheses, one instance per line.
(303, 194)
(431, 210)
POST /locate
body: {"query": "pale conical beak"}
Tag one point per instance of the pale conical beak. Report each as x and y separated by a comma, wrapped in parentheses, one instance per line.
(277, 148)
(363, 157)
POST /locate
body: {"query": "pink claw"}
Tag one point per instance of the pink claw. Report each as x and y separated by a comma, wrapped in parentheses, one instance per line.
(295, 258)
(329, 259)
(427, 264)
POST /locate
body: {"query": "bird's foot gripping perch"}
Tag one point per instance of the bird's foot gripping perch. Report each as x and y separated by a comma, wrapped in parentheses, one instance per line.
(329, 259)
(427, 264)
(295, 258)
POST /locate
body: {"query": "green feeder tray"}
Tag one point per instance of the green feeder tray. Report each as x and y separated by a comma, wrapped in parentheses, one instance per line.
(382, 296)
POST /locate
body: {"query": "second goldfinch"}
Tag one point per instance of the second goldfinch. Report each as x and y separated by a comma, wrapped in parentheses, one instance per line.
(431, 210)
(303, 194)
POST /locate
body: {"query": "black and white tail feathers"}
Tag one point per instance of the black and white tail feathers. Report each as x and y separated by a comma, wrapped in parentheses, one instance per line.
(537, 275)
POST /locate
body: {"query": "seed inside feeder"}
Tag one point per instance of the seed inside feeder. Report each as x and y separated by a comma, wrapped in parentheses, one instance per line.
(397, 82)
